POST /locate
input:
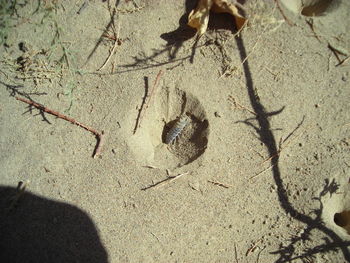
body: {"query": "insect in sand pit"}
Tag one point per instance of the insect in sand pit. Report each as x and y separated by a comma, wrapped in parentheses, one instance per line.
(176, 130)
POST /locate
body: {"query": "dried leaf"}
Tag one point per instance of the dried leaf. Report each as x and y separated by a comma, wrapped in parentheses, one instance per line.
(222, 6)
(199, 17)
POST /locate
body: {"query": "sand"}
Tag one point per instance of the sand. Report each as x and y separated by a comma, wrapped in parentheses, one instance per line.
(264, 158)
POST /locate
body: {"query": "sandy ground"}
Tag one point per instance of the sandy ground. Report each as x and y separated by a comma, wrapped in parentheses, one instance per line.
(263, 159)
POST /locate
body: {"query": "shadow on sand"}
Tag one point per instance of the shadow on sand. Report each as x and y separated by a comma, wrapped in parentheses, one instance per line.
(262, 126)
(36, 229)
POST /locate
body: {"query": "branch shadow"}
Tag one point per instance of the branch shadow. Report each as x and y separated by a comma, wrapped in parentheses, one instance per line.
(287, 252)
(176, 39)
(110, 25)
(263, 128)
(36, 229)
(17, 90)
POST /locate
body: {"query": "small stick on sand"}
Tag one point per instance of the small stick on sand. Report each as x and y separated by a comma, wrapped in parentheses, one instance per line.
(311, 25)
(83, 6)
(343, 61)
(147, 102)
(254, 46)
(150, 166)
(263, 171)
(165, 181)
(253, 247)
(99, 144)
(219, 184)
(21, 187)
(238, 105)
(284, 142)
(98, 135)
(116, 43)
(282, 13)
(236, 258)
(337, 52)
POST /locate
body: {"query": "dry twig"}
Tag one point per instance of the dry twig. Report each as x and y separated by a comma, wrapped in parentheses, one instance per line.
(20, 190)
(165, 181)
(146, 102)
(236, 257)
(253, 247)
(283, 142)
(150, 166)
(343, 61)
(280, 148)
(116, 43)
(310, 22)
(339, 52)
(42, 108)
(83, 6)
(263, 171)
(219, 184)
(238, 105)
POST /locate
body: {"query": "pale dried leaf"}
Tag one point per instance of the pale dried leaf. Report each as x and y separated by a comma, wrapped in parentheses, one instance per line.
(199, 17)
(222, 6)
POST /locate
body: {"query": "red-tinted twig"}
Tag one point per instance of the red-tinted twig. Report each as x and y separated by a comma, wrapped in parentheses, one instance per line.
(98, 135)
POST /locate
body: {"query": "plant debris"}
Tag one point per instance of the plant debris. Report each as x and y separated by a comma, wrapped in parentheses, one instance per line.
(199, 17)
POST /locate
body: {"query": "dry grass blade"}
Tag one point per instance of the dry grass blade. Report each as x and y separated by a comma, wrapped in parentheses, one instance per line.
(165, 181)
(237, 105)
(263, 171)
(116, 43)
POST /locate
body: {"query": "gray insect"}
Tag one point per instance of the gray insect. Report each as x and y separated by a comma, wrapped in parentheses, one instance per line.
(176, 130)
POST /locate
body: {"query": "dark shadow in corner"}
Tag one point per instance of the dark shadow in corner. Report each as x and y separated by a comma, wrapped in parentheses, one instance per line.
(287, 252)
(35, 229)
(332, 241)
